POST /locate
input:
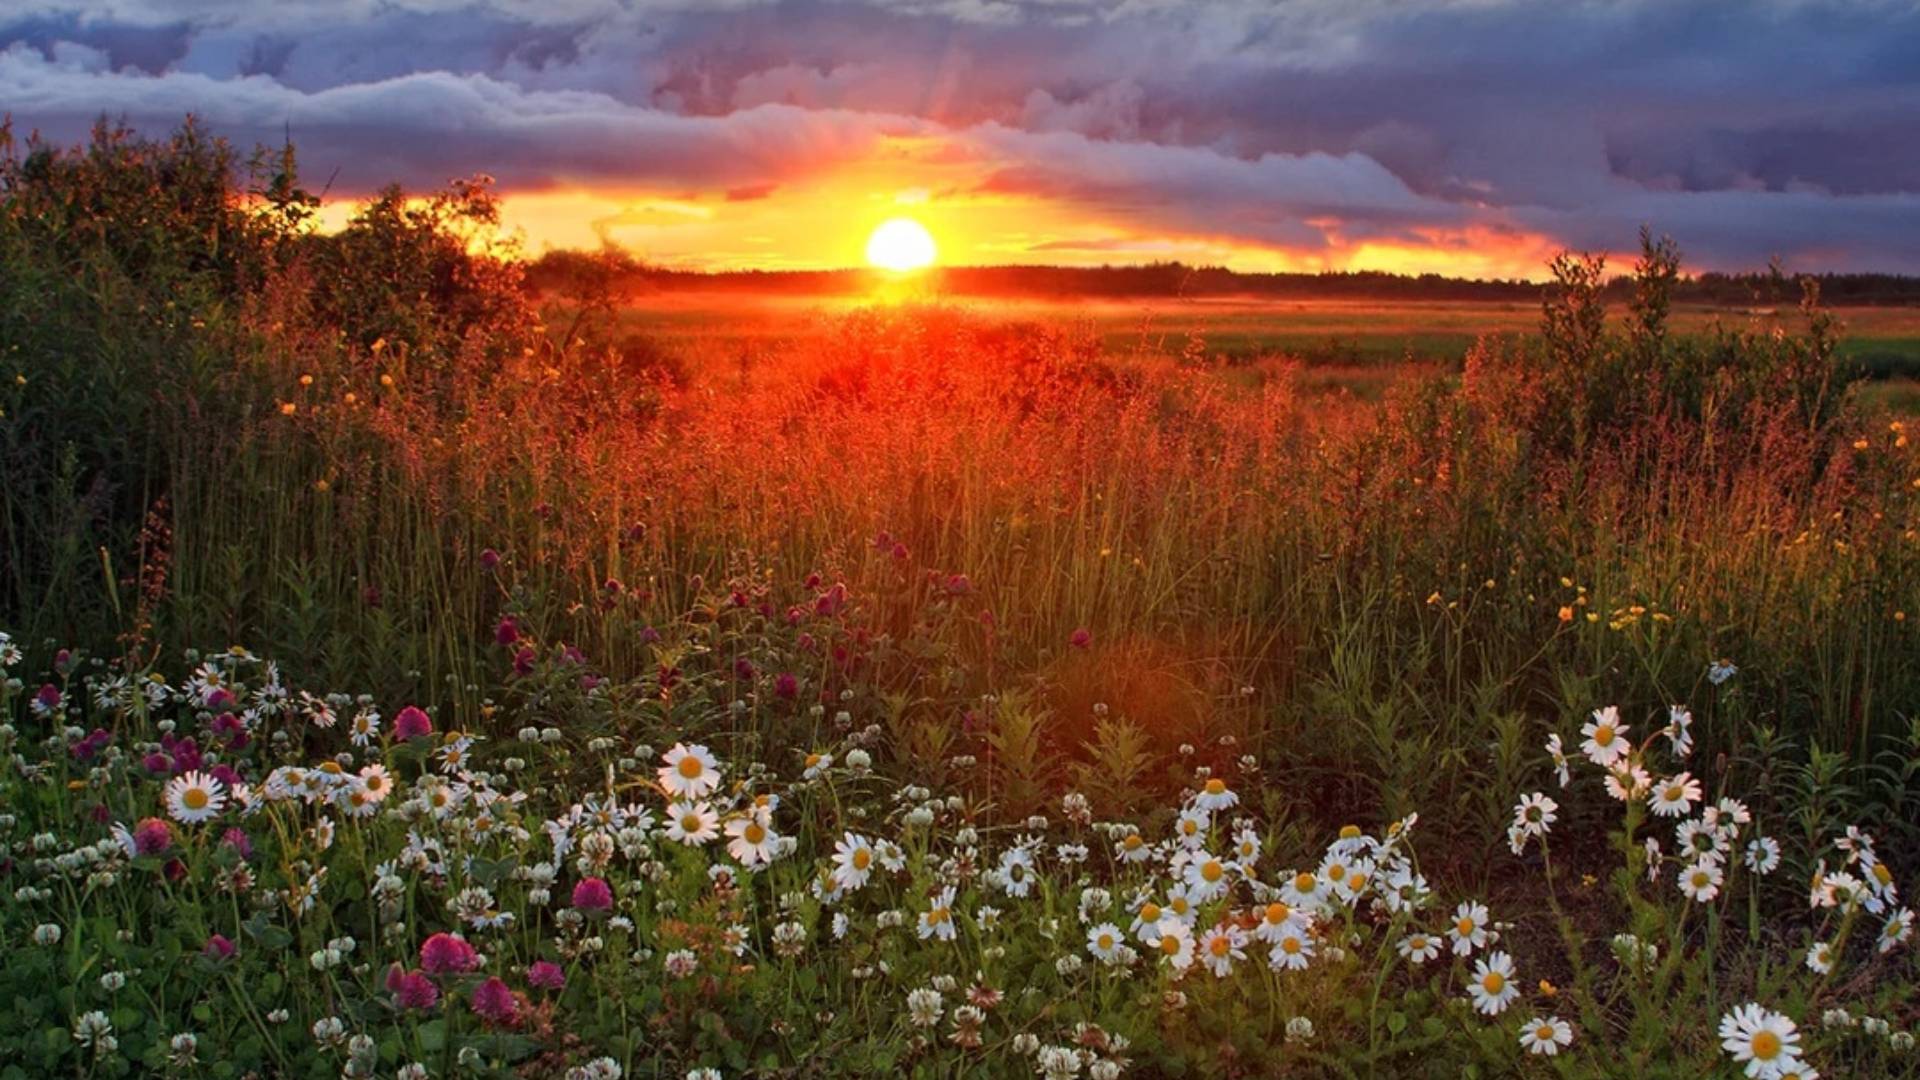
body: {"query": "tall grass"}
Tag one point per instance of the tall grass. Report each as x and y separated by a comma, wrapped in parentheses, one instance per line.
(227, 426)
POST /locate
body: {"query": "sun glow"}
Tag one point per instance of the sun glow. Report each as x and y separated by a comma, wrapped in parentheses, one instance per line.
(901, 245)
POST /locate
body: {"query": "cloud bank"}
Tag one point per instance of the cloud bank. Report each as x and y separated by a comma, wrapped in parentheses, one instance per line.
(1745, 129)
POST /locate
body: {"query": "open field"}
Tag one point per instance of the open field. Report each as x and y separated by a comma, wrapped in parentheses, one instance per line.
(407, 675)
(1358, 345)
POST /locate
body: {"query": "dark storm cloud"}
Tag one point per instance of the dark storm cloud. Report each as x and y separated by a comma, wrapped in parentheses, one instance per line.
(1745, 129)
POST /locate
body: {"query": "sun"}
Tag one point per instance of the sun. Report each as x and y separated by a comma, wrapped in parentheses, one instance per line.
(901, 244)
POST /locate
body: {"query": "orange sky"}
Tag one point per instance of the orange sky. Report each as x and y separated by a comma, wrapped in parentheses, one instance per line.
(823, 221)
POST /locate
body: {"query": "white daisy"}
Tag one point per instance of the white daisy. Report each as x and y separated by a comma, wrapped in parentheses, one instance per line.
(693, 824)
(1898, 928)
(1016, 874)
(1215, 796)
(852, 861)
(937, 920)
(1418, 947)
(1277, 919)
(1763, 855)
(1535, 814)
(1546, 1035)
(751, 842)
(1701, 881)
(1820, 958)
(194, 797)
(1605, 741)
(1104, 942)
(1174, 942)
(1767, 1042)
(1679, 730)
(1559, 754)
(1675, 796)
(1469, 929)
(1206, 877)
(1220, 947)
(1291, 951)
(1492, 988)
(690, 772)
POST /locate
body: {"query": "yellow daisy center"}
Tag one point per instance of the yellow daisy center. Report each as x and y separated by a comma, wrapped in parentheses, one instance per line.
(1464, 925)
(1216, 787)
(1303, 882)
(1150, 912)
(194, 799)
(1219, 946)
(1278, 912)
(1105, 941)
(1493, 982)
(1290, 945)
(690, 767)
(1543, 1033)
(1603, 735)
(753, 833)
(1766, 1045)
(1133, 841)
(1169, 944)
(690, 823)
(862, 859)
(1212, 870)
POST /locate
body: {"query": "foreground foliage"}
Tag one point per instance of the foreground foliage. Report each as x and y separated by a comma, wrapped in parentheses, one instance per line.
(222, 874)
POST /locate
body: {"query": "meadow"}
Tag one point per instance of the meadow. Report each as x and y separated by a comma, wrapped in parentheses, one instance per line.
(410, 674)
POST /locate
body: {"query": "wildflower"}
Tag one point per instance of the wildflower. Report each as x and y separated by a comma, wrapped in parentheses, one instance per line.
(1701, 881)
(1720, 671)
(1820, 958)
(1133, 848)
(1016, 872)
(1469, 929)
(448, 954)
(1419, 948)
(592, 895)
(47, 934)
(1299, 1029)
(690, 772)
(692, 824)
(218, 947)
(411, 989)
(853, 861)
(1766, 1041)
(1559, 755)
(1546, 1035)
(924, 1007)
(1605, 737)
(1679, 730)
(937, 920)
(1292, 950)
(1214, 796)
(1535, 814)
(412, 723)
(1674, 797)
(1205, 877)
(681, 963)
(751, 842)
(1492, 988)
(95, 1031)
(1191, 827)
(493, 1002)
(152, 836)
(1081, 638)
(1220, 947)
(1104, 942)
(1898, 928)
(194, 797)
(1174, 941)
(1763, 855)
(1277, 918)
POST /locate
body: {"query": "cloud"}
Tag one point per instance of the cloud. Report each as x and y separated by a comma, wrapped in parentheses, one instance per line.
(1746, 128)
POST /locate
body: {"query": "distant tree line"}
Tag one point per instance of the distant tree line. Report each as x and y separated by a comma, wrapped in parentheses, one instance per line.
(613, 269)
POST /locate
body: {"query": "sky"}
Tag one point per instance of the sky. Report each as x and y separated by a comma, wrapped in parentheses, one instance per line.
(1466, 137)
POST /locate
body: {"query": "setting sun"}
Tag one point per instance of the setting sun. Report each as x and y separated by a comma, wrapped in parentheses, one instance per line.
(900, 245)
